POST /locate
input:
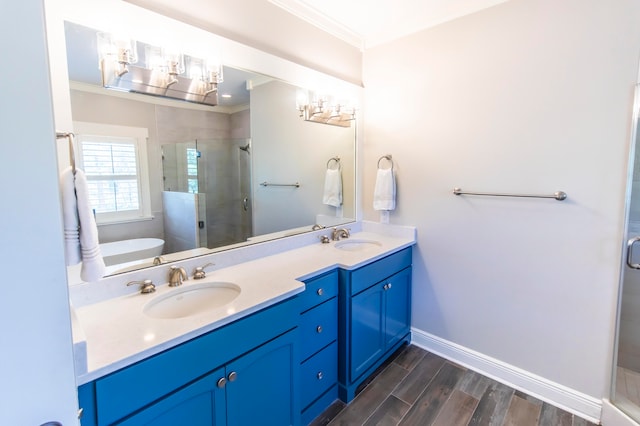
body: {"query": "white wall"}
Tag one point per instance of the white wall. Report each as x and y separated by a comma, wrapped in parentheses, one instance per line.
(36, 369)
(531, 96)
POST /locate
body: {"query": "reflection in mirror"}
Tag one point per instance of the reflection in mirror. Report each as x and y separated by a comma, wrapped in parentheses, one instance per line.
(207, 165)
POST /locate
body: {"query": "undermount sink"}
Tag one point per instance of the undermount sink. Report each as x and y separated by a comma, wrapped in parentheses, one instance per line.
(191, 300)
(357, 244)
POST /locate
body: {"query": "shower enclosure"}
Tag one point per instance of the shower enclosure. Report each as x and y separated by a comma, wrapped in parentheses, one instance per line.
(217, 172)
(626, 376)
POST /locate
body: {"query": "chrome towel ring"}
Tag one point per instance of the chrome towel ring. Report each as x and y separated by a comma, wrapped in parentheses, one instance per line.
(387, 157)
(336, 160)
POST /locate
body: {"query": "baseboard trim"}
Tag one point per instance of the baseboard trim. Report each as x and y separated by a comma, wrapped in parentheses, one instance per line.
(554, 393)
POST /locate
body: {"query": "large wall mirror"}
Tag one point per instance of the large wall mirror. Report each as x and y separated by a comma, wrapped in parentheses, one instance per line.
(247, 170)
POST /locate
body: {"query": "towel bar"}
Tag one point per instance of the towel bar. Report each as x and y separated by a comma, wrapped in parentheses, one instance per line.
(558, 195)
(297, 185)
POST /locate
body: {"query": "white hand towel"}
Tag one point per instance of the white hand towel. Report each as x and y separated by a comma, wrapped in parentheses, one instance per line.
(332, 195)
(70, 218)
(93, 267)
(384, 193)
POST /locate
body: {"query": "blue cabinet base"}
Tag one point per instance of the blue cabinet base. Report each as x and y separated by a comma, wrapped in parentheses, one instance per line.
(347, 392)
(320, 405)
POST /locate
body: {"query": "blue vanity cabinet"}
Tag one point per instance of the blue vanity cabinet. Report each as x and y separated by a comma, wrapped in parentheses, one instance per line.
(265, 390)
(246, 372)
(255, 389)
(200, 403)
(375, 317)
(319, 348)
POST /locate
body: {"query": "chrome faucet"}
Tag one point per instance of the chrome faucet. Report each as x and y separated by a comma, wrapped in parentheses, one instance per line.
(339, 233)
(177, 275)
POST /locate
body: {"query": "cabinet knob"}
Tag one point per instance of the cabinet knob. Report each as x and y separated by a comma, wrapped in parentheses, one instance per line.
(319, 329)
(320, 292)
(320, 375)
(221, 382)
(387, 286)
(233, 376)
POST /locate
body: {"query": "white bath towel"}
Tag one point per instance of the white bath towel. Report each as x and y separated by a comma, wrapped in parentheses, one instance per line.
(384, 193)
(70, 218)
(332, 195)
(93, 267)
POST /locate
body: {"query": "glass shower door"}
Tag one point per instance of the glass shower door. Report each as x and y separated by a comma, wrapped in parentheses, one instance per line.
(626, 392)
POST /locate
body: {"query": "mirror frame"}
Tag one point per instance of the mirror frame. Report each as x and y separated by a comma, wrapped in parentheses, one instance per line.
(103, 13)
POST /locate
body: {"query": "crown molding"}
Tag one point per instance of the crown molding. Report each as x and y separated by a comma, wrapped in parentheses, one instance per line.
(321, 20)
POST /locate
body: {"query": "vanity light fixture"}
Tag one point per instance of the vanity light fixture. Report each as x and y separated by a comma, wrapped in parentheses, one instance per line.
(119, 50)
(163, 72)
(322, 109)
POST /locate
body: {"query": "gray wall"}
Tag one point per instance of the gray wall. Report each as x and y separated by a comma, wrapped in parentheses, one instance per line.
(287, 149)
(531, 96)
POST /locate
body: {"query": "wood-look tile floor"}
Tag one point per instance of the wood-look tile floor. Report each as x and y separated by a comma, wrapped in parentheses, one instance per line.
(416, 387)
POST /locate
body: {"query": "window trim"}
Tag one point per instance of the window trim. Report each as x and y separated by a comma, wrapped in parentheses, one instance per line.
(141, 136)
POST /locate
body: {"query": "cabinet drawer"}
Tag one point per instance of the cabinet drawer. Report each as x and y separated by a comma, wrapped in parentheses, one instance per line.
(318, 290)
(368, 275)
(318, 327)
(318, 374)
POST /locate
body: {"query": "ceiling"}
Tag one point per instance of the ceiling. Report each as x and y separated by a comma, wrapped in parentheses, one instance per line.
(366, 23)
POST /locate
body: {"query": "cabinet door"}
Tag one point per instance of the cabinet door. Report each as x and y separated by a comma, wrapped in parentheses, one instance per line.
(367, 329)
(397, 291)
(262, 385)
(199, 404)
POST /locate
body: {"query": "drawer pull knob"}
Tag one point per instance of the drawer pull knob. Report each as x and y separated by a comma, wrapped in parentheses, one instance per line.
(320, 375)
(233, 376)
(320, 292)
(319, 329)
(221, 382)
(387, 286)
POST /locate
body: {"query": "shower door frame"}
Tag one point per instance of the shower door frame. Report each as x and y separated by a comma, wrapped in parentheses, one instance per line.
(612, 412)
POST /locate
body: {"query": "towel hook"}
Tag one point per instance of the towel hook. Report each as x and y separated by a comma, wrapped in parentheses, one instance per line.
(387, 157)
(337, 160)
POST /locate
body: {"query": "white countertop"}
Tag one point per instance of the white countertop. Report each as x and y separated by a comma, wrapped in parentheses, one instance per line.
(116, 333)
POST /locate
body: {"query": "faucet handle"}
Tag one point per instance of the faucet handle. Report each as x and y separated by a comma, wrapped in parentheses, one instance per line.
(199, 272)
(146, 286)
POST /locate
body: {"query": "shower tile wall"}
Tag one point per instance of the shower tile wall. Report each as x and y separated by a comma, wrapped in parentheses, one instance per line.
(224, 175)
(220, 166)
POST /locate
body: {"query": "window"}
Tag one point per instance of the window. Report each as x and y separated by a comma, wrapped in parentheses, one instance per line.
(192, 170)
(114, 159)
